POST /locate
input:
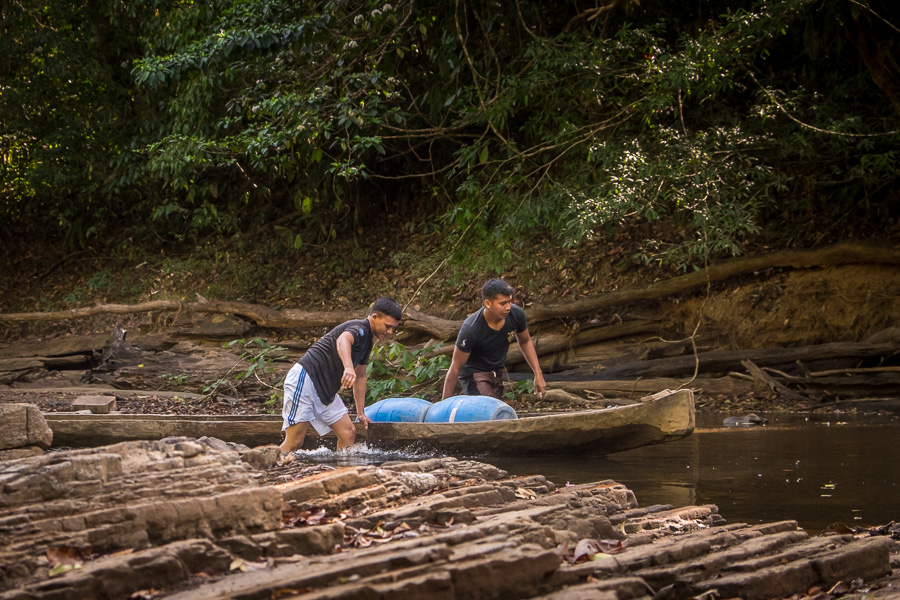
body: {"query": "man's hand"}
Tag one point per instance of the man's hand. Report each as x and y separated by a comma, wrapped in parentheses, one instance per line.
(348, 378)
(362, 418)
(540, 386)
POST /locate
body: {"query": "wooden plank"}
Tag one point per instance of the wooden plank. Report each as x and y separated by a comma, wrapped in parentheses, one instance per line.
(99, 430)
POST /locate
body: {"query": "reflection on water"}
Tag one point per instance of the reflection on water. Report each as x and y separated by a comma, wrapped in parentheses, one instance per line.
(816, 472)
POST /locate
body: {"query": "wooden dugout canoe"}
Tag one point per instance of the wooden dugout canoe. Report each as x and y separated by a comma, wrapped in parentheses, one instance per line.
(663, 417)
(79, 430)
(659, 418)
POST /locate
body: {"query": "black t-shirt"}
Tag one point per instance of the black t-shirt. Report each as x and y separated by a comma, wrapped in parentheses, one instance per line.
(487, 347)
(324, 364)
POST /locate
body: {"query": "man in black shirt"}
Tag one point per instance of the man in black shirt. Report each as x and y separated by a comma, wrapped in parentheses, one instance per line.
(338, 359)
(480, 352)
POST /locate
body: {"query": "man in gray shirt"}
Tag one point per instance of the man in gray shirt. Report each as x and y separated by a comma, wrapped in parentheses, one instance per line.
(338, 359)
(481, 347)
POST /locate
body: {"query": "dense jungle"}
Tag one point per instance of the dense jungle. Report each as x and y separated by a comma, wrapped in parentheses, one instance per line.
(728, 168)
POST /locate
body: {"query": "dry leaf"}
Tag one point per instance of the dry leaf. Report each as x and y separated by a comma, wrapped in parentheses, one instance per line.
(66, 555)
(840, 528)
(585, 549)
(525, 494)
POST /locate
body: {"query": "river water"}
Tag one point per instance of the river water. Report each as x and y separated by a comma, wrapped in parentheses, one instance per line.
(816, 470)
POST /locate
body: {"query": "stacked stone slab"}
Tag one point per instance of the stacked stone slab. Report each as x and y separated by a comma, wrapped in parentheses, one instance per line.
(191, 519)
(23, 431)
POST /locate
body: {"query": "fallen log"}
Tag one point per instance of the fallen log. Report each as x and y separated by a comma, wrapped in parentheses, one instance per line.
(868, 370)
(18, 369)
(261, 316)
(60, 346)
(548, 343)
(844, 253)
(885, 404)
(847, 386)
(52, 362)
(443, 329)
(634, 388)
(554, 342)
(723, 361)
(606, 354)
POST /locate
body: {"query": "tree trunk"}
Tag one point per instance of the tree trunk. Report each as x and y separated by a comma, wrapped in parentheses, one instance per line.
(722, 361)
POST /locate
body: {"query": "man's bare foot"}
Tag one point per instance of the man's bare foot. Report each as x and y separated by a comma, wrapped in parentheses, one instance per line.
(287, 458)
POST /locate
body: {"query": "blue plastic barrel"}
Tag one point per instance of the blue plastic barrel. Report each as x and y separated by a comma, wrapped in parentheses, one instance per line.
(398, 410)
(459, 409)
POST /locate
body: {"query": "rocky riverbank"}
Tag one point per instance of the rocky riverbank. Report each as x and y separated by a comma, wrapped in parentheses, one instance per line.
(186, 518)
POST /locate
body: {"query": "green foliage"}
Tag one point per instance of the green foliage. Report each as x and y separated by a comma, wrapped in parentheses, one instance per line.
(646, 126)
(76, 296)
(525, 386)
(501, 124)
(255, 361)
(259, 355)
(175, 380)
(394, 370)
(68, 115)
(100, 280)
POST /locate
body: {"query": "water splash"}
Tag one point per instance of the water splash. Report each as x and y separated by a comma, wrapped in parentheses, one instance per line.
(361, 454)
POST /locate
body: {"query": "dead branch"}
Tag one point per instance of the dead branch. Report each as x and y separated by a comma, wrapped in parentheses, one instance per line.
(770, 381)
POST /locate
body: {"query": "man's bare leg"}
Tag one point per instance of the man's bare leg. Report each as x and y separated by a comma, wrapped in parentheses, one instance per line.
(345, 431)
(293, 437)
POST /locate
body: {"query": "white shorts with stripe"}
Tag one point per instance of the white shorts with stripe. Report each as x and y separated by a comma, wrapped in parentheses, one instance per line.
(302, 404)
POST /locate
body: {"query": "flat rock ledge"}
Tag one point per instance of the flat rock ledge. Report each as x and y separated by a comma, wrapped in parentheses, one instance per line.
(203, 519)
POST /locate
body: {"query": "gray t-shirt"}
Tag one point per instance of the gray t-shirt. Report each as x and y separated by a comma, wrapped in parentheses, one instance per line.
(487, 347)
(324, 364)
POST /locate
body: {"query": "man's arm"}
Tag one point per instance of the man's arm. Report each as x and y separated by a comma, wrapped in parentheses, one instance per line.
(359, 395)
(345, 352)
(459, 359)
(530, 354)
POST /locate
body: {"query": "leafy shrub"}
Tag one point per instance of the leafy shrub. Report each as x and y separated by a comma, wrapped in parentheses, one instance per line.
(394, 370)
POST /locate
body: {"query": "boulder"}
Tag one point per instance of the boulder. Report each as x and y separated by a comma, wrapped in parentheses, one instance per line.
(23, 425)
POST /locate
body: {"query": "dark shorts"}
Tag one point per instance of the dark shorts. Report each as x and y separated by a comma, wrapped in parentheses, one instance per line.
(489, 383)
